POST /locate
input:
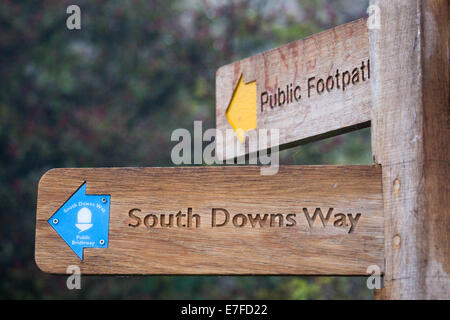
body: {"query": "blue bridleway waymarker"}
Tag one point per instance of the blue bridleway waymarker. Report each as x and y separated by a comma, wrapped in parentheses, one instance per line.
(83, 221)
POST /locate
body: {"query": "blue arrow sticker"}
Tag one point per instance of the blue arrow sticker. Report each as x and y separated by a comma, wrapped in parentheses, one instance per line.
(83, 221)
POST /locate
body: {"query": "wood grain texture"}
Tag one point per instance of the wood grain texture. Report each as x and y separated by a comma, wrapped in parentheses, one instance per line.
(298, 249)
(342, 48)
(410, 139)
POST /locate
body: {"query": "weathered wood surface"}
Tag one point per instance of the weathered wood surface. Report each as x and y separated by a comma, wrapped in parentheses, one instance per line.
(344, 48)
(295, 249)
(410, 139)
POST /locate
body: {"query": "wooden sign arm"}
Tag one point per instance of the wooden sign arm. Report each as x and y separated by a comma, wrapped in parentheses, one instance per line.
(410, 139)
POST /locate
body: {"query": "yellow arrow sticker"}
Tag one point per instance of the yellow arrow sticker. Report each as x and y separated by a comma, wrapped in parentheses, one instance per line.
(241, 112)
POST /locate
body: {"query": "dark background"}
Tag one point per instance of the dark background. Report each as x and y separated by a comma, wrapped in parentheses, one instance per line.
(111, 93)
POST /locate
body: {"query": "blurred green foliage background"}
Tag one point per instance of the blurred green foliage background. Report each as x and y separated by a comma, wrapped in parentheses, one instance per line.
(111, 93)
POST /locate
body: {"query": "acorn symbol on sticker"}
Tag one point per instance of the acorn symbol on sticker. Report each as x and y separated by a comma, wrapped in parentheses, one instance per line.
(84, 218)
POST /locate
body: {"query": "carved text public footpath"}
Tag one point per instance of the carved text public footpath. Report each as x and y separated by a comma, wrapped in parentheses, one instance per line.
(340, 80)
(220, 217)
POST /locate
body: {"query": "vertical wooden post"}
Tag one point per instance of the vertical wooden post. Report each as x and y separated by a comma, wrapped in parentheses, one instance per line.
(410, 139)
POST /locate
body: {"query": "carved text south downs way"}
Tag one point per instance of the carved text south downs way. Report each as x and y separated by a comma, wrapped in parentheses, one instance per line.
(221, 217)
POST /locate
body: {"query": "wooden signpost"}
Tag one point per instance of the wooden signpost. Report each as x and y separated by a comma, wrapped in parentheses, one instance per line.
(220, 220)
(309, 89)
(411, 139)
(304, 220)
